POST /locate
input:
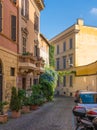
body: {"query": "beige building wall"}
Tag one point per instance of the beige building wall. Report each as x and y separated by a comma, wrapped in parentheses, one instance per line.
(85, 45)
(8, 60)
(83, 52)
(44, 49)
(29, 69)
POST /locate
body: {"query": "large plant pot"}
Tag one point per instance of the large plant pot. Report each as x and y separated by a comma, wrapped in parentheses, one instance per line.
(16, 114)
(3, 118)
(34, 107)
(25, 109)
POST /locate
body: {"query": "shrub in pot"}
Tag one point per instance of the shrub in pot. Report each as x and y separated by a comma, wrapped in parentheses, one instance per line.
(3, 115)
(15, 103)
(34, 101)
(26, 105)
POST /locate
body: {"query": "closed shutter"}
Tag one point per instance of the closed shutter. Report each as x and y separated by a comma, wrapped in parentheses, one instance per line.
(0, 17)
(13, 28)
(36, 22)
(27, 9)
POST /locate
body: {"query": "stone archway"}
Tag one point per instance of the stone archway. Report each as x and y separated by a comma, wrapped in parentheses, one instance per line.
(1, 80)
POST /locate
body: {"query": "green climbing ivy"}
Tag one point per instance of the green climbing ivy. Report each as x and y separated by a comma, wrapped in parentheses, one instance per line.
(51, 56)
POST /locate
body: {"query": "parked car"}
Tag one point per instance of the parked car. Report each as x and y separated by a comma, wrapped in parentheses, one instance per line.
(88, 100)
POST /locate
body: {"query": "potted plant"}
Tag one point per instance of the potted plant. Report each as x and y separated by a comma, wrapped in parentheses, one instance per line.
(34, 104)
(15, 103)
(3, 115)
(26, 105)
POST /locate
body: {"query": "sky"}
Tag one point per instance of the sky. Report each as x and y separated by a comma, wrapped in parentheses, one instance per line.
(58, 15)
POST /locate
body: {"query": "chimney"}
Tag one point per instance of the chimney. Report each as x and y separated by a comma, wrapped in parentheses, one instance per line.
(80, 22)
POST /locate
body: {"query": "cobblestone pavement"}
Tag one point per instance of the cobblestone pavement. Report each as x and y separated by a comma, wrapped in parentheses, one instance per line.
(56, 115)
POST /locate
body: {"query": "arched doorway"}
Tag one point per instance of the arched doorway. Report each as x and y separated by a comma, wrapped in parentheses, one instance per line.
(1, 81)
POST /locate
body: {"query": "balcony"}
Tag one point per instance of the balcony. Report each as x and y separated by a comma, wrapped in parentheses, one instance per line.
(40, 65)
(26, 63)
(40, 4)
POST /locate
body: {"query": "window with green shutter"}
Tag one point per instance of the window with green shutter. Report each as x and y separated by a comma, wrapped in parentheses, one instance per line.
(13, 27)
(0, 16)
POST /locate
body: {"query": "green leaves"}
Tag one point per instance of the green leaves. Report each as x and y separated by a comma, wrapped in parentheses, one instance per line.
(51, 56)
(15, 103)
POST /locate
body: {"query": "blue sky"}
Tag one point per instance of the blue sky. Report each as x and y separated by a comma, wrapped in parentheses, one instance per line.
(58, 15)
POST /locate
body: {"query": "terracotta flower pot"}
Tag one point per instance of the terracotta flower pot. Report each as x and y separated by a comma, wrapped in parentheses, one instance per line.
(16, 114)
(34, 107)
(3, 118)
(25, 109)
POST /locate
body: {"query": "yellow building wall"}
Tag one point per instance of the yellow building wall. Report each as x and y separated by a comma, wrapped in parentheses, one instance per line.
(84, 52)
(86, 45)
(44, 50)
(8, 60)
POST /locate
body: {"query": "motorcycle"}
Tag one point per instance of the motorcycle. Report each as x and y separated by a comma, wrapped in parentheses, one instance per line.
(83, 122)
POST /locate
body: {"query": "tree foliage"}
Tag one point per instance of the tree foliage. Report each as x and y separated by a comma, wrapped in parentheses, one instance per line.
(48, 82)
(15, 103)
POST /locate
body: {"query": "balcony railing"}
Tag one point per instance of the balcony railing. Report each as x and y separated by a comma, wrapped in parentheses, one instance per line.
(29, 63)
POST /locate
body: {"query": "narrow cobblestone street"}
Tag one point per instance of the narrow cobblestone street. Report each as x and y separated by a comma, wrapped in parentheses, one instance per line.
(56, 115)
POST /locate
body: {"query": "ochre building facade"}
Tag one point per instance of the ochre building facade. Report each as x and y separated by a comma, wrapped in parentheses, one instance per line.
(76, 46)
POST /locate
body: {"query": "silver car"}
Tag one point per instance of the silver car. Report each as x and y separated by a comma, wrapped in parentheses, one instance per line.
(88, 100)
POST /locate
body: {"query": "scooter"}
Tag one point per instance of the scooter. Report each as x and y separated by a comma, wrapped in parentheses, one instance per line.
(83, 122)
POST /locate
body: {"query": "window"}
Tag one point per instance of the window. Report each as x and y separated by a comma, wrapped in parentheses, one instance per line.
(12, 71)
(71, 60)
(58, 82)
(57, 63)
(25, 8)
(70, 44)
(36, 50)
(13, 27)
(35, 81)
(71, 81)
(64, 81)
(36, 22)
(57, 49)
(24, 83)
(64, 62)
(64, 46)
(0, 17)
(24, 44)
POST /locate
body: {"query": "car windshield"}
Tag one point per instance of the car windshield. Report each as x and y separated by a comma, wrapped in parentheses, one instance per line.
(88, 98)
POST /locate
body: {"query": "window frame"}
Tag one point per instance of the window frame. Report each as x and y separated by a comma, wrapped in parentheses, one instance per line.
(64, 81)
(13, 27)
(58, 63)
(71, 81)
(64, 46)
(12, 71)
(57, 49)
(64, 62)
(70, 43)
